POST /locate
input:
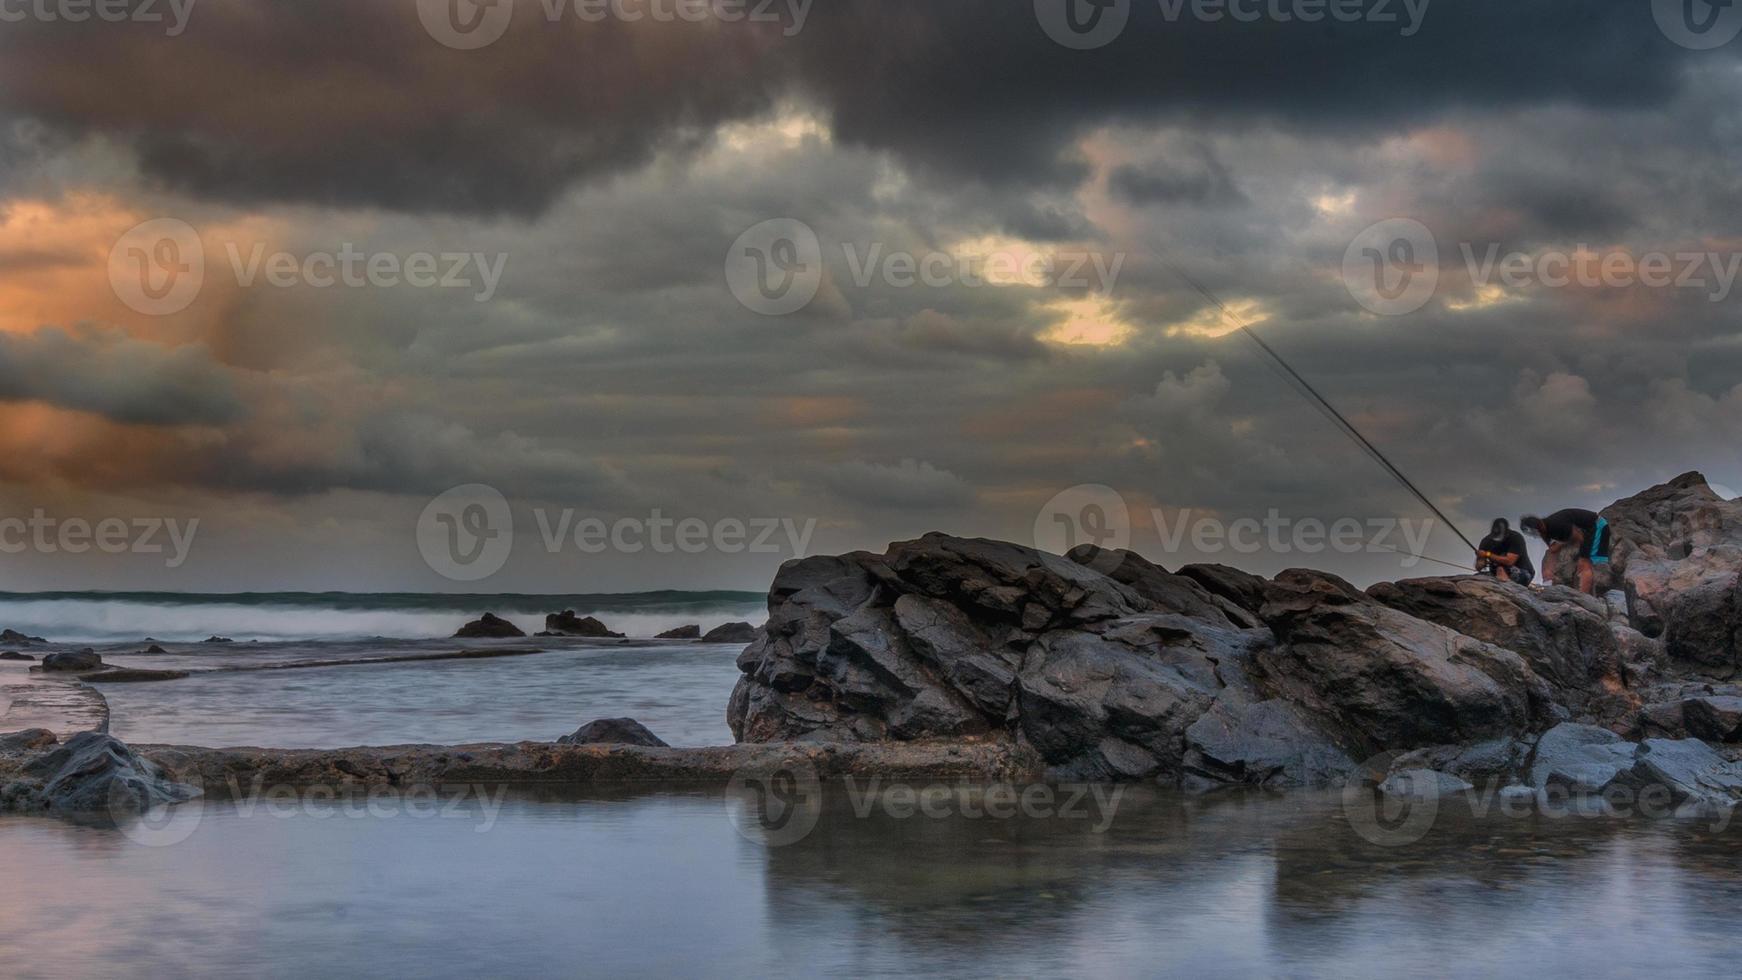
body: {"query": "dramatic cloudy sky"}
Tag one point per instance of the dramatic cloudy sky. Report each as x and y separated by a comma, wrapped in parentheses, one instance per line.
(612, 372)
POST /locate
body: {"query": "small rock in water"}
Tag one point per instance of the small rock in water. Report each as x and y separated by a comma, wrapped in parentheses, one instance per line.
(566, 623)
(13, 636)
(85, 659)
(731, 633)
(154, 648)
(217, 639)
(15, 655)
(489, 626)
(681, 633)
(613, 731)
(1423, 784)
(133, 675)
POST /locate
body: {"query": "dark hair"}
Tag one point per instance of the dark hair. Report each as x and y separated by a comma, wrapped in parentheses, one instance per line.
(1531, 523)
(1501, 526)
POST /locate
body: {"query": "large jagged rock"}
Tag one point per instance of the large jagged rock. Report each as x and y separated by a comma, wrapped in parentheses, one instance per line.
(1679, 546)
(1110, 667)
(1568, 638)
(1387, 680)
(93, 773)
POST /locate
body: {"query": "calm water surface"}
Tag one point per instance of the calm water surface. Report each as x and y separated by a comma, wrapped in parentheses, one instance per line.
(665, 884)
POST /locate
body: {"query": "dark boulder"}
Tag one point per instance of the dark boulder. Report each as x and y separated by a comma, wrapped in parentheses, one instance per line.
(681, 633)
(154, 648)
(489, 626)
(1579, 759)
(731, 633)
(1679, 547)
(613, 731)
(217, 639)
(1389, 681)
(86, 659)
(1566, 637)
(16, 638)
(566, 623)
(15, 655)
(94, 773)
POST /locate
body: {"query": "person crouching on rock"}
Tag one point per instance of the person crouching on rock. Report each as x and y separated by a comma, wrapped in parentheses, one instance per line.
(1503, 555)
(1584, 533)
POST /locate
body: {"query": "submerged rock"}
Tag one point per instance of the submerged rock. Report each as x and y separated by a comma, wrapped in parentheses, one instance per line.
(132, 675)
(489, 626)
(681, 633)
(1423, 784)
(15, 655)
(566, 623)
(217, 639)
(86, 659)
(613, 731)
(731, 633)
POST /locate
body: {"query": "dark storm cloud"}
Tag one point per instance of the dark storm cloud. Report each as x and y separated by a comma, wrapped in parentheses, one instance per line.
(347, 103)
(109, 374)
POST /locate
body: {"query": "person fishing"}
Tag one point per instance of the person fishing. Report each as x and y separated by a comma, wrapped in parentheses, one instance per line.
(1585, 532)
(1503, 554)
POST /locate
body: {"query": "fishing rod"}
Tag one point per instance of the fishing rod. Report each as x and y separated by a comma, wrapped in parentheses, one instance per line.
(1411, 554)
(1325, 406)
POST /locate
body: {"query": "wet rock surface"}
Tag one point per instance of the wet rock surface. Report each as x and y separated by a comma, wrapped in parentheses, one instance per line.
(91, 773)
(74, 662)
(681, 633)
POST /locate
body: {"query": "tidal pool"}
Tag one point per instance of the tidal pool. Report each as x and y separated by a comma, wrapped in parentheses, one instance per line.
(677, 882)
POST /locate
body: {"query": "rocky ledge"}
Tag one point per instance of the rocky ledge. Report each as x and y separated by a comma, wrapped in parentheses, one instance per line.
(1107, 666)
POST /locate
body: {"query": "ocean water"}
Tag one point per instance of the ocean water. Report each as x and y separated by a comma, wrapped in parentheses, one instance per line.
(112, 617)
(677, 688)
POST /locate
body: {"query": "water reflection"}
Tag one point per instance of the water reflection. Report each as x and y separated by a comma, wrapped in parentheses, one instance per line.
(661, 881)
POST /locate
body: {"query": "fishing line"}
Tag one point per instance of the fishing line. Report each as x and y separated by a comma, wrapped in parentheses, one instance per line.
(1330, 411)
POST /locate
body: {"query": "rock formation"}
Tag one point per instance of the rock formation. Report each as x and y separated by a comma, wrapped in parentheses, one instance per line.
(83, 660)
(566, 623)
(489, 626)
(681, 633)
(613, 731)
(731, 633)
(91, 773)
(1110, 667)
